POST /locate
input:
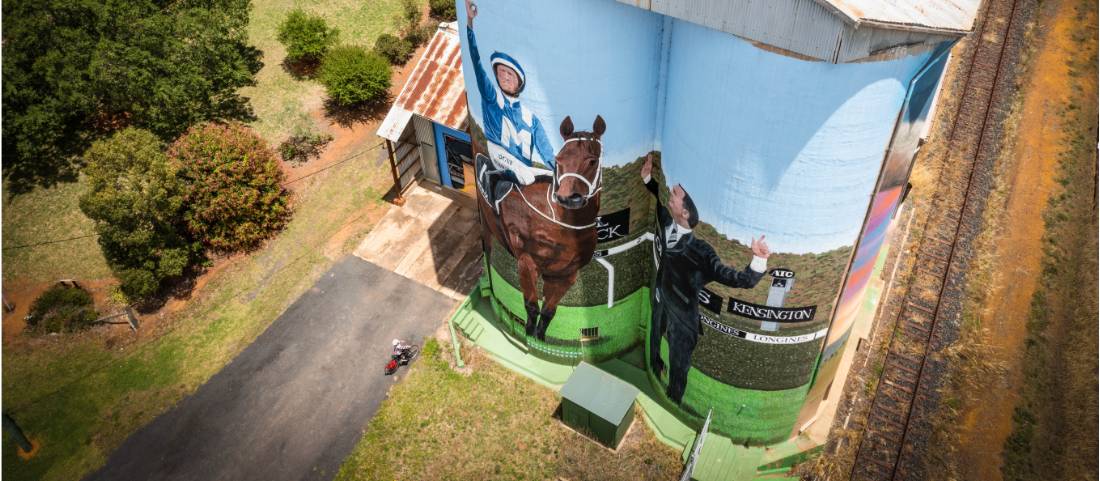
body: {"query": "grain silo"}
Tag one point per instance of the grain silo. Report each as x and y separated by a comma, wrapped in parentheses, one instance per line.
(697, 181)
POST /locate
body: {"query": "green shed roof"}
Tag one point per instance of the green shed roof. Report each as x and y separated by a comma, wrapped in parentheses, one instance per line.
(600, 393)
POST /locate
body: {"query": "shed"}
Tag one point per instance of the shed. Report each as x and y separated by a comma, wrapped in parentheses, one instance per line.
(598, 404)
(425, 128)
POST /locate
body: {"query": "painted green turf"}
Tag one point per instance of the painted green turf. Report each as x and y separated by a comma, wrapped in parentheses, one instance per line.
(745, 415)
(749, 415)
(618, 325)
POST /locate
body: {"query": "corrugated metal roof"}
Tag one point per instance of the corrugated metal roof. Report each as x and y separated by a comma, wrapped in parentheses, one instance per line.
(921, 15)
(435, 89)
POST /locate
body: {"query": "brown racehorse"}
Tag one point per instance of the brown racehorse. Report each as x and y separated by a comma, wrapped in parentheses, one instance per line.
(549, 226)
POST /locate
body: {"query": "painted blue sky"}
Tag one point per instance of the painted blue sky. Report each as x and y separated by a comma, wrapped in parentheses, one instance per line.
(768, 144)
(764, 143)
(577, 63)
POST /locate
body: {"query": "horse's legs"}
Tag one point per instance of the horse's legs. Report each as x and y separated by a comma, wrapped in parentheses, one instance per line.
(553, 289)
(528, 282)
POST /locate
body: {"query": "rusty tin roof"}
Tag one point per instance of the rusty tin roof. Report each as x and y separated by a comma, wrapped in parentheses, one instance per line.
(435, 89)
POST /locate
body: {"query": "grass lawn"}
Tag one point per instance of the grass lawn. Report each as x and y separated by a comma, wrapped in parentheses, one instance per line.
(281, 102)
(491, 424)
(45, 215)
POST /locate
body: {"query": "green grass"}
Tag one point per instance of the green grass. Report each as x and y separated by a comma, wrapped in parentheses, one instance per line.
(80, 399)
(490, 424)
(47, 214)
(281, 102)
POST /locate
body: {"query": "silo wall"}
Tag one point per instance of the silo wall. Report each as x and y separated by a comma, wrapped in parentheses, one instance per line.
(766, 146)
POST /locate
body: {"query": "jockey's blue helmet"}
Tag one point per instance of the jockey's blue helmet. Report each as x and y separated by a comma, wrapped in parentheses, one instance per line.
(506, 60)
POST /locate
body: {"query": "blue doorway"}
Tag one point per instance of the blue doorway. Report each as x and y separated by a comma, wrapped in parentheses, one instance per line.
(456, 159)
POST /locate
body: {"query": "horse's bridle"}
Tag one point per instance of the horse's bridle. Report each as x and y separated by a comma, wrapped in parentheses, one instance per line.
(593, 186)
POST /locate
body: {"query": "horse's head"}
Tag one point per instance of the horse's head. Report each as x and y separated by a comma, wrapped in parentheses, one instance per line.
(577, 173)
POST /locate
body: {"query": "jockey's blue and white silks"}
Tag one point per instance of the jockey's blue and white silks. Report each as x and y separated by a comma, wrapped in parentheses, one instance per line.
(508, 124)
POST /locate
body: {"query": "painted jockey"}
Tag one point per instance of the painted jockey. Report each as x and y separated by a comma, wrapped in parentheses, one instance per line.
(515, 138)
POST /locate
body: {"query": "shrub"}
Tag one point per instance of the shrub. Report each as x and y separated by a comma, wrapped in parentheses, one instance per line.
(417, 36)
(232, 186)
(396, 50)
(136, 201)
(301, 148)
(443, 9)
(307, 37)
(353, 76)
(411, 11)
(62, 309)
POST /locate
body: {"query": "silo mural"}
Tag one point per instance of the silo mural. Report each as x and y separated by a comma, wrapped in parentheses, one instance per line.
(560, 121)
(649, 183)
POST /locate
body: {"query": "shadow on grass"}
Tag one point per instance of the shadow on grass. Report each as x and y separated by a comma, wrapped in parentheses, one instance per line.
(349, 115)
(23, 177)
(301, 69)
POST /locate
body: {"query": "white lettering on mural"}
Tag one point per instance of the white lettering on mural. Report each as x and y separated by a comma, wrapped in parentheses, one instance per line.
(761, 338)
(768, 313)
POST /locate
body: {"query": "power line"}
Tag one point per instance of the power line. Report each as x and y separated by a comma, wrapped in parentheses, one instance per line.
(334, 164)
(55, 241)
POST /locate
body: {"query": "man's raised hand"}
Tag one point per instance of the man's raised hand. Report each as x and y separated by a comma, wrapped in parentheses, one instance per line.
(471, 12)
(760, 248)
(647, 167)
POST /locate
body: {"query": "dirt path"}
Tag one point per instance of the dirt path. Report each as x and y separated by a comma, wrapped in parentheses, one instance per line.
(1018, 248)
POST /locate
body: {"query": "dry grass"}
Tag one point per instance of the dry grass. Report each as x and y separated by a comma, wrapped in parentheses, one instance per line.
(47, 214)
(283, 103)
(490, 424)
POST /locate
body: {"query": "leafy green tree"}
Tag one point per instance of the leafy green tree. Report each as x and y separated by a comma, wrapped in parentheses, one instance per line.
(136, 200)
(233, 186)
(307, 37)
(75, 72)
(353, 76)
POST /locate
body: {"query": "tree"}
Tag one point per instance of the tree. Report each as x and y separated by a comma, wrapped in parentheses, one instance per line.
(233, 186)
(75, 72)
(136, 200)
(352, 76)
(306, 37)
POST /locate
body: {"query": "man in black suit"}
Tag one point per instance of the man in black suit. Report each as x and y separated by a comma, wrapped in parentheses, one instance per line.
(686, 265)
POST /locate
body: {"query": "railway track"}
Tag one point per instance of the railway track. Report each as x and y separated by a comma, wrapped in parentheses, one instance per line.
(897, 426)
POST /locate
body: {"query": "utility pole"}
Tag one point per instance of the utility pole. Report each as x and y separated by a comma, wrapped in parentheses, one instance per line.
(27, 449)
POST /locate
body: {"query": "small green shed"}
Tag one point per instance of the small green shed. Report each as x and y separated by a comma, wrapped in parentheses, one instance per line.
(598, 404)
